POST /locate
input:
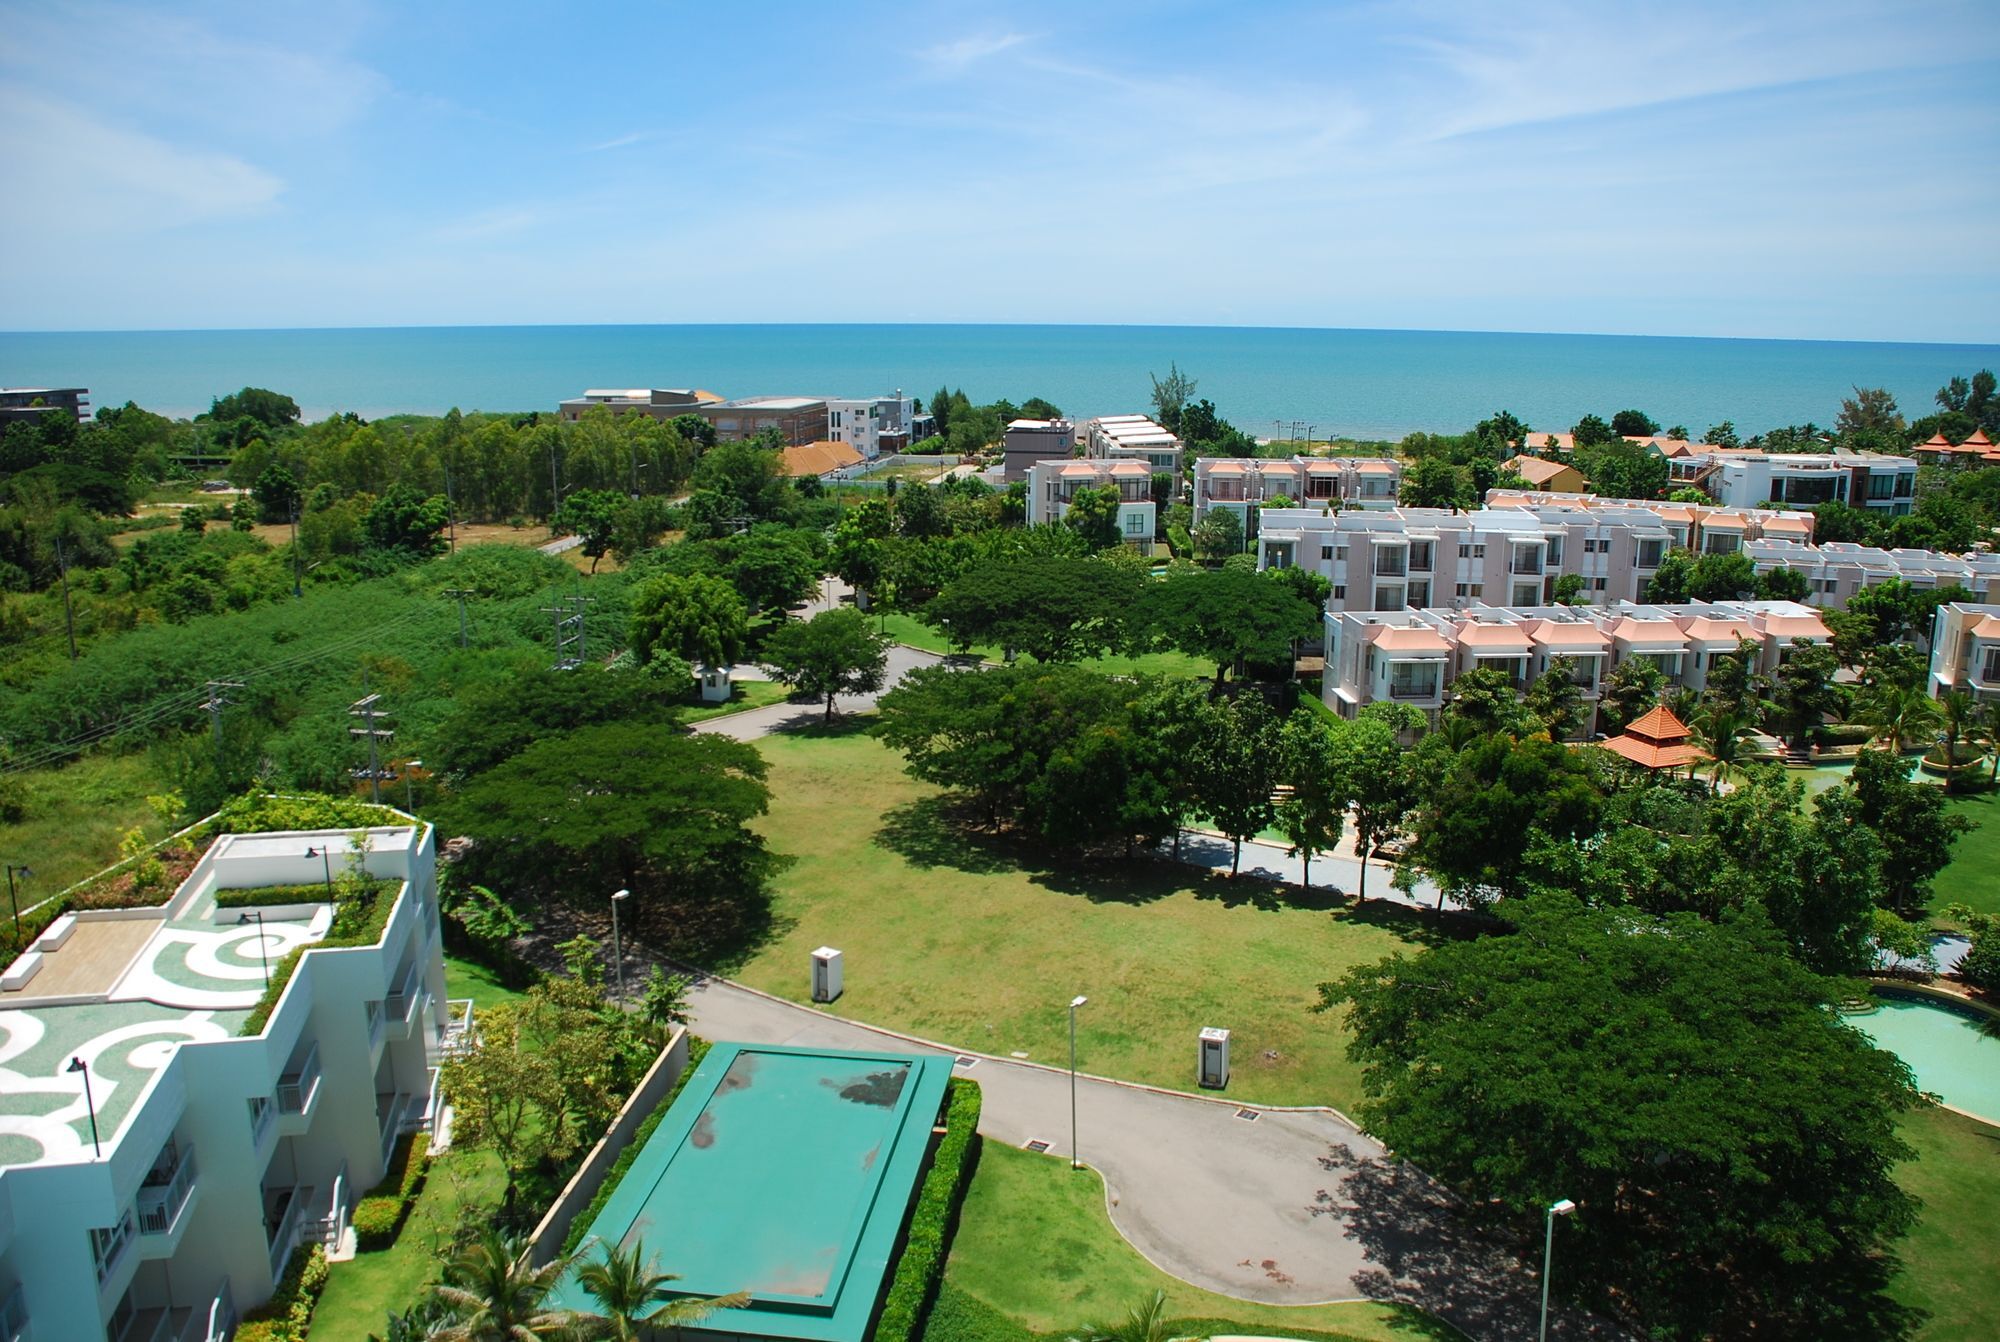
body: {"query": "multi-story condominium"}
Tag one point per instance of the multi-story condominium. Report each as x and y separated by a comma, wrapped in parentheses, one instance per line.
(1052, 484)
(1413, 656)
(159, 1160)
(1031, 440)
(796, 419)
(1741, 478)
(19, 403)
(1965, 650)
(870, 426)
(1243, 485)
(1835, 571)
(657, 402)
(1697, 527)
(1111, 436)
(1415, 558)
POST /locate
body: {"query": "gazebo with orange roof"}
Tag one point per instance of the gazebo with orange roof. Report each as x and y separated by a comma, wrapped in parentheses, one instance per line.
(1659, 740)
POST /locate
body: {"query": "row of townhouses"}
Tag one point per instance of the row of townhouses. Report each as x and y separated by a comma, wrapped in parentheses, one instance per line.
(1244, 485)
(871, 425)
(158, 1164)
(1053, 483)
(1413, 656)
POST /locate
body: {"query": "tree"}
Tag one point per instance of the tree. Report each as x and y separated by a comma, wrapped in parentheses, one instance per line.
(1170, 394)
(1236, 769)
(276, 493)
(1569, 590)
(1633, 686)
(1914, 823)
(1229, 616)
(1731, 1149)
(1313, 796)
(1481, 821)
(1723, 733)
(1733, 683)
(494, 1296)
(1093, 515)
(593, 515)
(1722, 435)
(1634, 424)
(1721, 577)
(1375, 770)
(405, 520)
(1669, 584)
(833, 653)
(271, 409)
(1621, 469)
(1591, 431)
(492, 723)
(1803, 691)
(1783, 584)
(1869, 421)
(1557, 700)
(632, 1296)
(1218, 535)
(1433, 482)
(1980, 966)
(920, 512)
(1035, 407)
(857, 545)
(749, 475)
(697, 618)
(1897, 713)
(775, 567)
(1054, 609)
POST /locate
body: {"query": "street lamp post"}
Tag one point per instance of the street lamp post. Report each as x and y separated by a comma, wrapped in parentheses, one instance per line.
(76, 1065)
(409, 801)
(263, 950)
(1559, 1208)
(1074, 1003)
(14, 899)
(617, 945)
(326, 862)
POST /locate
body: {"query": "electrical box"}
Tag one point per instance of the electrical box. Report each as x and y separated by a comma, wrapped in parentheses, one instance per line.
(826, 974)
(1212, 1059)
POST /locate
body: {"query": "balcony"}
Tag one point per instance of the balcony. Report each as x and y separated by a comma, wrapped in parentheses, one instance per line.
(1526, 562)
(298, 1086)
(109, 1245)
(284, 1210)
(1222, 493)
(164, 1194)
(402, 1002)
(1390, 564)
(459, 1032)
(375, 1019)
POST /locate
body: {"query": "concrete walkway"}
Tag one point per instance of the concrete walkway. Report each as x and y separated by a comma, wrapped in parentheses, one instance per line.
(1291, 1207)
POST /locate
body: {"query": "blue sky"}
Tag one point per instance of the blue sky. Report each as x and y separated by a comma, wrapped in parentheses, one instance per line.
(1793, 170)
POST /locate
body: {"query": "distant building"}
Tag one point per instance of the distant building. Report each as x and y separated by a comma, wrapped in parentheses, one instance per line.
(1835, 571)
(659, 403)
(1976, 450)
(1965, 650)
(1739, 477)
(873, 426)
(796, 419)
(24, 403)
(826, 460)
(1550, 477)
(1053, 483)
(1031, 440)
(1243, 485)
(1135, 437)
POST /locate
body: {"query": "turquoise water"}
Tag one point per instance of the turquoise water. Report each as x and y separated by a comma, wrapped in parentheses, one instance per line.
(1359, 383)
(786, 1173)
(1955, 1056)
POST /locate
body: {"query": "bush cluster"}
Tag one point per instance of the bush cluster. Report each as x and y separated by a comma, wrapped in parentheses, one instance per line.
(287, 1315)
(697, 1050)
(921, 1265)
(360, 922)
(272, 896)
(378, 1217)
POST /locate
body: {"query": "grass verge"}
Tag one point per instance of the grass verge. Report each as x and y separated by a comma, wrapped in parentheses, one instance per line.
(744, 695)
(1951, 1261)
(1035, 1245)
(1973, 878)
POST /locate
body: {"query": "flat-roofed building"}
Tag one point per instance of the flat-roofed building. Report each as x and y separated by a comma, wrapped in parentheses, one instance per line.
(1835, 571)
(170, 1194)
(1031, 440)
(1244, 485)
(654, 402)
(871, 425)
(1053, 484)
(1136, 437)
(24, 403)
(796, 419)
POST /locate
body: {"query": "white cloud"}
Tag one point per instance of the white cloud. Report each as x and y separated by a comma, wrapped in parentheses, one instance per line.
(952, 57)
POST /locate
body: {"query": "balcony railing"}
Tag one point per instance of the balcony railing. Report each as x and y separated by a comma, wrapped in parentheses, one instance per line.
(282, 1221)
(14, 1316)
(1390, 566)
(1526, 564)
(215, 1321)
(375, 1017)
(109, 1245)
(1426, 689)
(459, 1033)
(149, 1325)
(400, 1002)
(297, 1087)
(263, 1113)
(165, 1193)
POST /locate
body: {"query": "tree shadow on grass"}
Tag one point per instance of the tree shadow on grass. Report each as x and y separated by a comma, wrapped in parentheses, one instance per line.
(1426, 927)
(934, 832)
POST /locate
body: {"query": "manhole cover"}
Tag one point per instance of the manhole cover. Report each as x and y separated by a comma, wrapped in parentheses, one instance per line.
(1247, 1115)
(1038, 1146)
(964, 1060)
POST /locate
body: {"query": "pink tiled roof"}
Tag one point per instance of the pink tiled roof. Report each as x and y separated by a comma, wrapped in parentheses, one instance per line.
(1988, 627)
(1560, 634)
(1406, 638)
(1709, 629)
(1648, 631)
(1795, 626)
(1476, 634)
(1226, 468)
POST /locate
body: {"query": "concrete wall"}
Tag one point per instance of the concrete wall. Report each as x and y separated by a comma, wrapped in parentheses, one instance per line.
(546, 1243)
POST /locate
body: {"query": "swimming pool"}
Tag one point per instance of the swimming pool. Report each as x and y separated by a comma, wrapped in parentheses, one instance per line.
(785, 1172)
(1955, 1051)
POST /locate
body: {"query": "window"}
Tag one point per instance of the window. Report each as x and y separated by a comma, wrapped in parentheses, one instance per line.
(1650, 552)
(1526, 594)
(1413, 680)
(1326, 552)
(1340, 552)
(1990, 671)
(1464, 589)
(1135, 524)
(1599, 584)
(1465, 552)
(1420, 556)
(1340, 591)
(1420, 595)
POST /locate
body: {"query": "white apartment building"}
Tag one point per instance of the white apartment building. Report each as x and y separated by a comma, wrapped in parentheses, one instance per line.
(1111, 436)
(1741, 478)
(1243, 485)
(1837, 570)
(1417, 558)
(872, 425)
(1052, 484)
(1965, 650)
(1413, 656)
(169, 1193)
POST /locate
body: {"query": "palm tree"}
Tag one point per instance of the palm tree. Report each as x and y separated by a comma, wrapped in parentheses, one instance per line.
(1986, 730)
(1145, 1322)
(1725, 735)
(633, 1298)
(1898, 713)
(494, 1296)
(1954, 714)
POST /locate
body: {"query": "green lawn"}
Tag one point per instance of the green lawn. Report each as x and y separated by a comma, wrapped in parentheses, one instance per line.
(74, 819)
(744, 695)
(1035, 1243)
(1973, 878)
(908, 629)
(979, 943)
(1952, 1259)
(462, 1188)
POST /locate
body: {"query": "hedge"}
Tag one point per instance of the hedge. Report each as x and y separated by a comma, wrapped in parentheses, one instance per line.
(697, 1050)
(267, 896)
(378, 1218)
(287, 1315)
(959, 1316)
(928, 1240)
(359, 922)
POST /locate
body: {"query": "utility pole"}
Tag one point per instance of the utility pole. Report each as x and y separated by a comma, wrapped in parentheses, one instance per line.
(582, 605)
(298, 574)
(459, 594)
(450, 511)
(555, 493)
(69, 611)
(367, 710)
(569, 633)
(216, 703)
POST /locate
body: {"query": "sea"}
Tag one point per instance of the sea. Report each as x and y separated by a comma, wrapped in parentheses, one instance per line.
(1271, 382)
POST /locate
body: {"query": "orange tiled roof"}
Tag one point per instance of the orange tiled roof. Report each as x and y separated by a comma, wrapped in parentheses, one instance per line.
(1561, 634)
(1478, 634)
(819, 458)
(1988, 627)
(1650, 756)
(1406, 638)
